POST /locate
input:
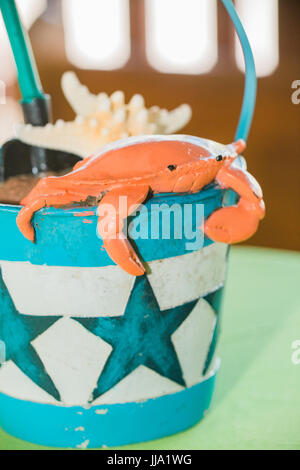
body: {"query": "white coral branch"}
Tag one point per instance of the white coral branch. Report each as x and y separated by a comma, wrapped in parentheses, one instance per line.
(101, 119)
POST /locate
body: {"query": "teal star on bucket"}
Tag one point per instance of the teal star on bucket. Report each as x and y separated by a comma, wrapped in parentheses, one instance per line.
(142, 336)
(214, 300)
(16, 333)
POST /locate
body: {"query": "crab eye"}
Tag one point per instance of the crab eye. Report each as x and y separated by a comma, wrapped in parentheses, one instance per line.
(219, 158)
(172, 167)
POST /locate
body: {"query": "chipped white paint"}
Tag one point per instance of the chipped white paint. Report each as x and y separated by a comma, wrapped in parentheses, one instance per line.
(102, 411)
(68, 291)
(192, 340)
(83, 445)
(181, 279)
(74, 359)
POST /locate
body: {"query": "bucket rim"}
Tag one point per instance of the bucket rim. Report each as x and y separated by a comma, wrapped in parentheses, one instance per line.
(210, 191)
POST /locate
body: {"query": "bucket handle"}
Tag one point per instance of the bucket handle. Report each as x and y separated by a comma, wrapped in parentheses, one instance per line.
(249, 99)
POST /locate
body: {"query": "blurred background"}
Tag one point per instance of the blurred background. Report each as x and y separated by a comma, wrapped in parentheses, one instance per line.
(180, 51)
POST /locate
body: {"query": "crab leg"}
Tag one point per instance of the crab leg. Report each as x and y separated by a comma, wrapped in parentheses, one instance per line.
(115, 206)
(26, 213)
(237, 223)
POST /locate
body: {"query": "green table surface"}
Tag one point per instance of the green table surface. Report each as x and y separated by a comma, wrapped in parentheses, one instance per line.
(257, 399)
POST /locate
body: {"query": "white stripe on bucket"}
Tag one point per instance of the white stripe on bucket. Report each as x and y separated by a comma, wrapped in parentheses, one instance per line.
(182, 279)
(67, 291)
(104, 291)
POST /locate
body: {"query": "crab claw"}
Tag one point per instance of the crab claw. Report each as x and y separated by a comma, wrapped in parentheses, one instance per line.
(235, 224)
(121, 251)
(24, 222)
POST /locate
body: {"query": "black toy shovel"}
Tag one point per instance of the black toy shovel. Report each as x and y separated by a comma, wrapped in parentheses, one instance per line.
(16, 157)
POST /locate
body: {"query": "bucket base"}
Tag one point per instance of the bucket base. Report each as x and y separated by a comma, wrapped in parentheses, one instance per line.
(105, 425)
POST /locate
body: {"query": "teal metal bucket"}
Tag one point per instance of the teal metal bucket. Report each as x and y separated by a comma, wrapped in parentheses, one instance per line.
(95, 357)
(92, 357)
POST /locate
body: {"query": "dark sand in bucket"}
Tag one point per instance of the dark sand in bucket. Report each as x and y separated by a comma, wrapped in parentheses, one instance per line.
(14, 189)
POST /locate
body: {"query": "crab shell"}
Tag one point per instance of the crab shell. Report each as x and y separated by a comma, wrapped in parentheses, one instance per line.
(166, 163)
(135, 167)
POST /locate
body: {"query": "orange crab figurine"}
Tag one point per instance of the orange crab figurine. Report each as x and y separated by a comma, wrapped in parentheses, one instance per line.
(136, 167)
